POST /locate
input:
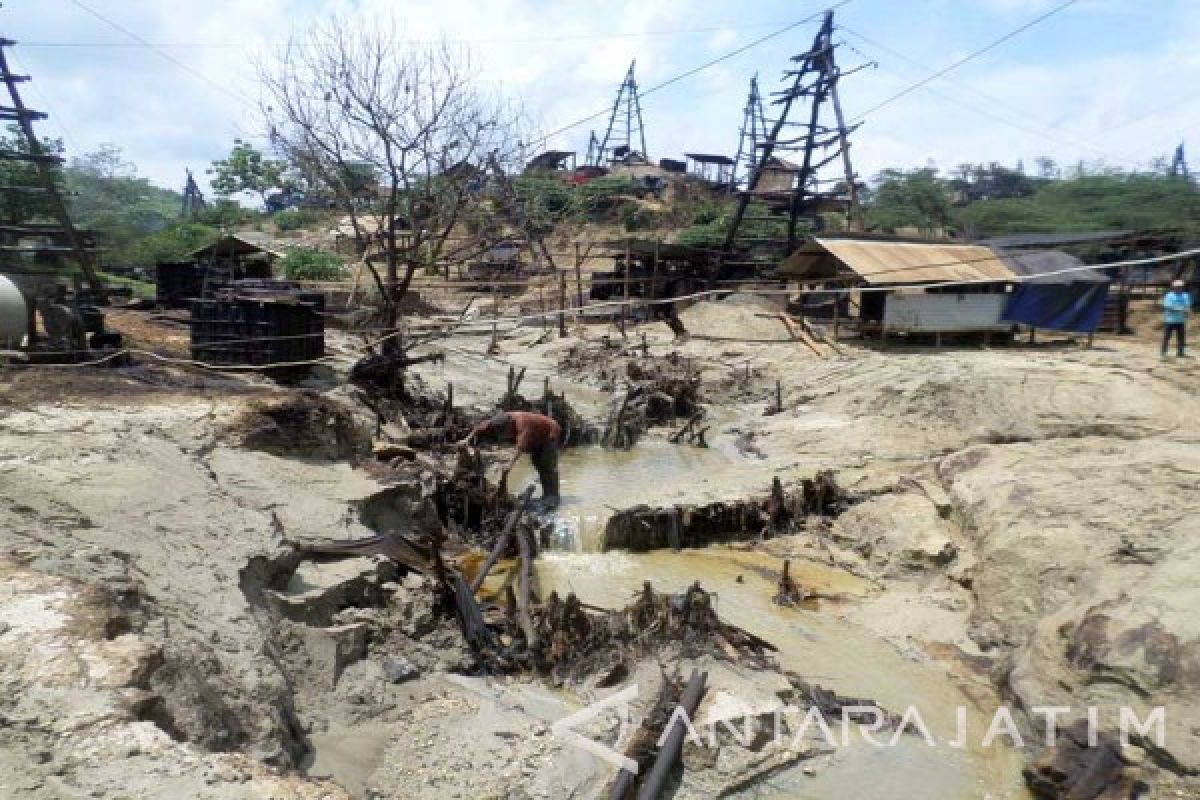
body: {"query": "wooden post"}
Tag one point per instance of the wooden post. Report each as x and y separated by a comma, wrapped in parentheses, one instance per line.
(778, 395)
(495, 302)
(562, 305)
(1091, 339)
(628, 269)
(654, 273)
(579, 277)
(837, 315)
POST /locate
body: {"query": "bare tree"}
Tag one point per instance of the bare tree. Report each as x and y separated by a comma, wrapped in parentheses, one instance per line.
(346, 101)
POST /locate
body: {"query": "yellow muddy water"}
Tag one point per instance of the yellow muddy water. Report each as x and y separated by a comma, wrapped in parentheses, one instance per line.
(595, 482)
(827, 651)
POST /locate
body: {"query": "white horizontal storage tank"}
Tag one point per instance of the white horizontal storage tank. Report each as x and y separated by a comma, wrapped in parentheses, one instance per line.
(13, 314)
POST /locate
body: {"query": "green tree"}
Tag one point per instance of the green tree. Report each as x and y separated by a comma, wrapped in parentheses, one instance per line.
(246, 169)
(17, 208)
(908, 199)
(302, 264)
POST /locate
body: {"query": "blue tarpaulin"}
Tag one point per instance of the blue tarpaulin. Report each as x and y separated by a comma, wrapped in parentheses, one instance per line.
(1057, 292)
(1058, 306)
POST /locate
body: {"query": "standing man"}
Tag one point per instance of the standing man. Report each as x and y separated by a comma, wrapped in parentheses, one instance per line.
(1177, 304)
(533, 433)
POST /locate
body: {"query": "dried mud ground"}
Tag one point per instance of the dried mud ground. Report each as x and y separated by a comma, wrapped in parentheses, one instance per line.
(1025, 534)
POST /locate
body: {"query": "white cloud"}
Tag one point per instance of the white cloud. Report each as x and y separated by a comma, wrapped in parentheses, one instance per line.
(564, 60)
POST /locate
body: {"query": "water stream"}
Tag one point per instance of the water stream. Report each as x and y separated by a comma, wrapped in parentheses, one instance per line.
(595, 482)
(824, 650)
(814, 644)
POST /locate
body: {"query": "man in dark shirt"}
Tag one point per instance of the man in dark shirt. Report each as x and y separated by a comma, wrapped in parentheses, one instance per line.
(535, 434)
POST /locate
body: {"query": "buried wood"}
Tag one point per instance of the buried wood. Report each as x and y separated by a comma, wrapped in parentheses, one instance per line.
(656, 781)
(790, 593)
(503, 539)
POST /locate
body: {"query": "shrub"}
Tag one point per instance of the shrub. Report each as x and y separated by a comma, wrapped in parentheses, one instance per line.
(296, 220)
(300, 264)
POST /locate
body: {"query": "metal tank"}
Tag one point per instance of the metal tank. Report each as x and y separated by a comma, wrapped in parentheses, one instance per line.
(14, 317)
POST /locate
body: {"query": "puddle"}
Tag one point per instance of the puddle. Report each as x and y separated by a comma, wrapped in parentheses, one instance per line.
(824, 650)
(596, 482)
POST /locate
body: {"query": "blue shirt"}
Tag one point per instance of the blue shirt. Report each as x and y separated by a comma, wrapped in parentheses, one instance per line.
(1176, 305)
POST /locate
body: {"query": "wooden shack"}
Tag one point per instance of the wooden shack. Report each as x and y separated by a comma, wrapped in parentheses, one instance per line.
(913, 286)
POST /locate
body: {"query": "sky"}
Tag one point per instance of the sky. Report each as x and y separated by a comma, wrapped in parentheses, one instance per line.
(173, 82)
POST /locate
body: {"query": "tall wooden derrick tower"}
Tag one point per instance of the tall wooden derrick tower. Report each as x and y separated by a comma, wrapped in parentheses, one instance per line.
(625, 138)
(41, 233)
(750, 138)
(807, 132)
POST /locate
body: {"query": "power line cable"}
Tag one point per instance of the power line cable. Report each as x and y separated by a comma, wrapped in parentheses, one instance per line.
(689, 73)
(68, 137)
(1043, 130)
(236, 95)
(965, 59)
(562, 37)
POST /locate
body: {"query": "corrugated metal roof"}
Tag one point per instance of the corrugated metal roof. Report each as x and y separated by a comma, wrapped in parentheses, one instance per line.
(883, 262)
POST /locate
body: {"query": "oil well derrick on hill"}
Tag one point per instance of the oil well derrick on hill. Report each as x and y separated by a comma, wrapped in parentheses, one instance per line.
(625, 138)
(750, 138)
(42, 237)
(785, 193)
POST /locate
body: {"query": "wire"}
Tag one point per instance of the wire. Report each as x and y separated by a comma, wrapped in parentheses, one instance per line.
(45, 102)
(1044, 130)
(236, 95)
(519, 318)
(478, 40)
(965, 59)
(732, 54)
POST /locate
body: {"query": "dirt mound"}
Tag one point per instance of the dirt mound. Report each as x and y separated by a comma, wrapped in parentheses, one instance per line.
(741, 320)
(308, 425)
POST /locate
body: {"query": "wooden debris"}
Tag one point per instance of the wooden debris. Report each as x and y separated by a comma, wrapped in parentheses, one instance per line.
(790, 593)
(395, 546)
(1073, 770)
(656, 781)
(503, 540)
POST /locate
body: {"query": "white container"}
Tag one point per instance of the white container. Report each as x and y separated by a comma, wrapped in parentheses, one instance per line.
(14, 316)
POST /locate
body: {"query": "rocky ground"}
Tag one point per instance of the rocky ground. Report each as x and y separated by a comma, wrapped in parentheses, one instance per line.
(1020, 534)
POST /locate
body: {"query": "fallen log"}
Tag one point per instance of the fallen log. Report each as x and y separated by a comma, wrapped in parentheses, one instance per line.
(656, 781)
(395, 546)
(502, 541)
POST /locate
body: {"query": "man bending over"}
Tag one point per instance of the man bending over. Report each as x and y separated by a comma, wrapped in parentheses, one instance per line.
(535, 434)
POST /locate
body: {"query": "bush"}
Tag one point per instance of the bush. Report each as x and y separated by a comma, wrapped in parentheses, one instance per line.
(635, 218)
(296, 220)
(300, 264)
(169, 244)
